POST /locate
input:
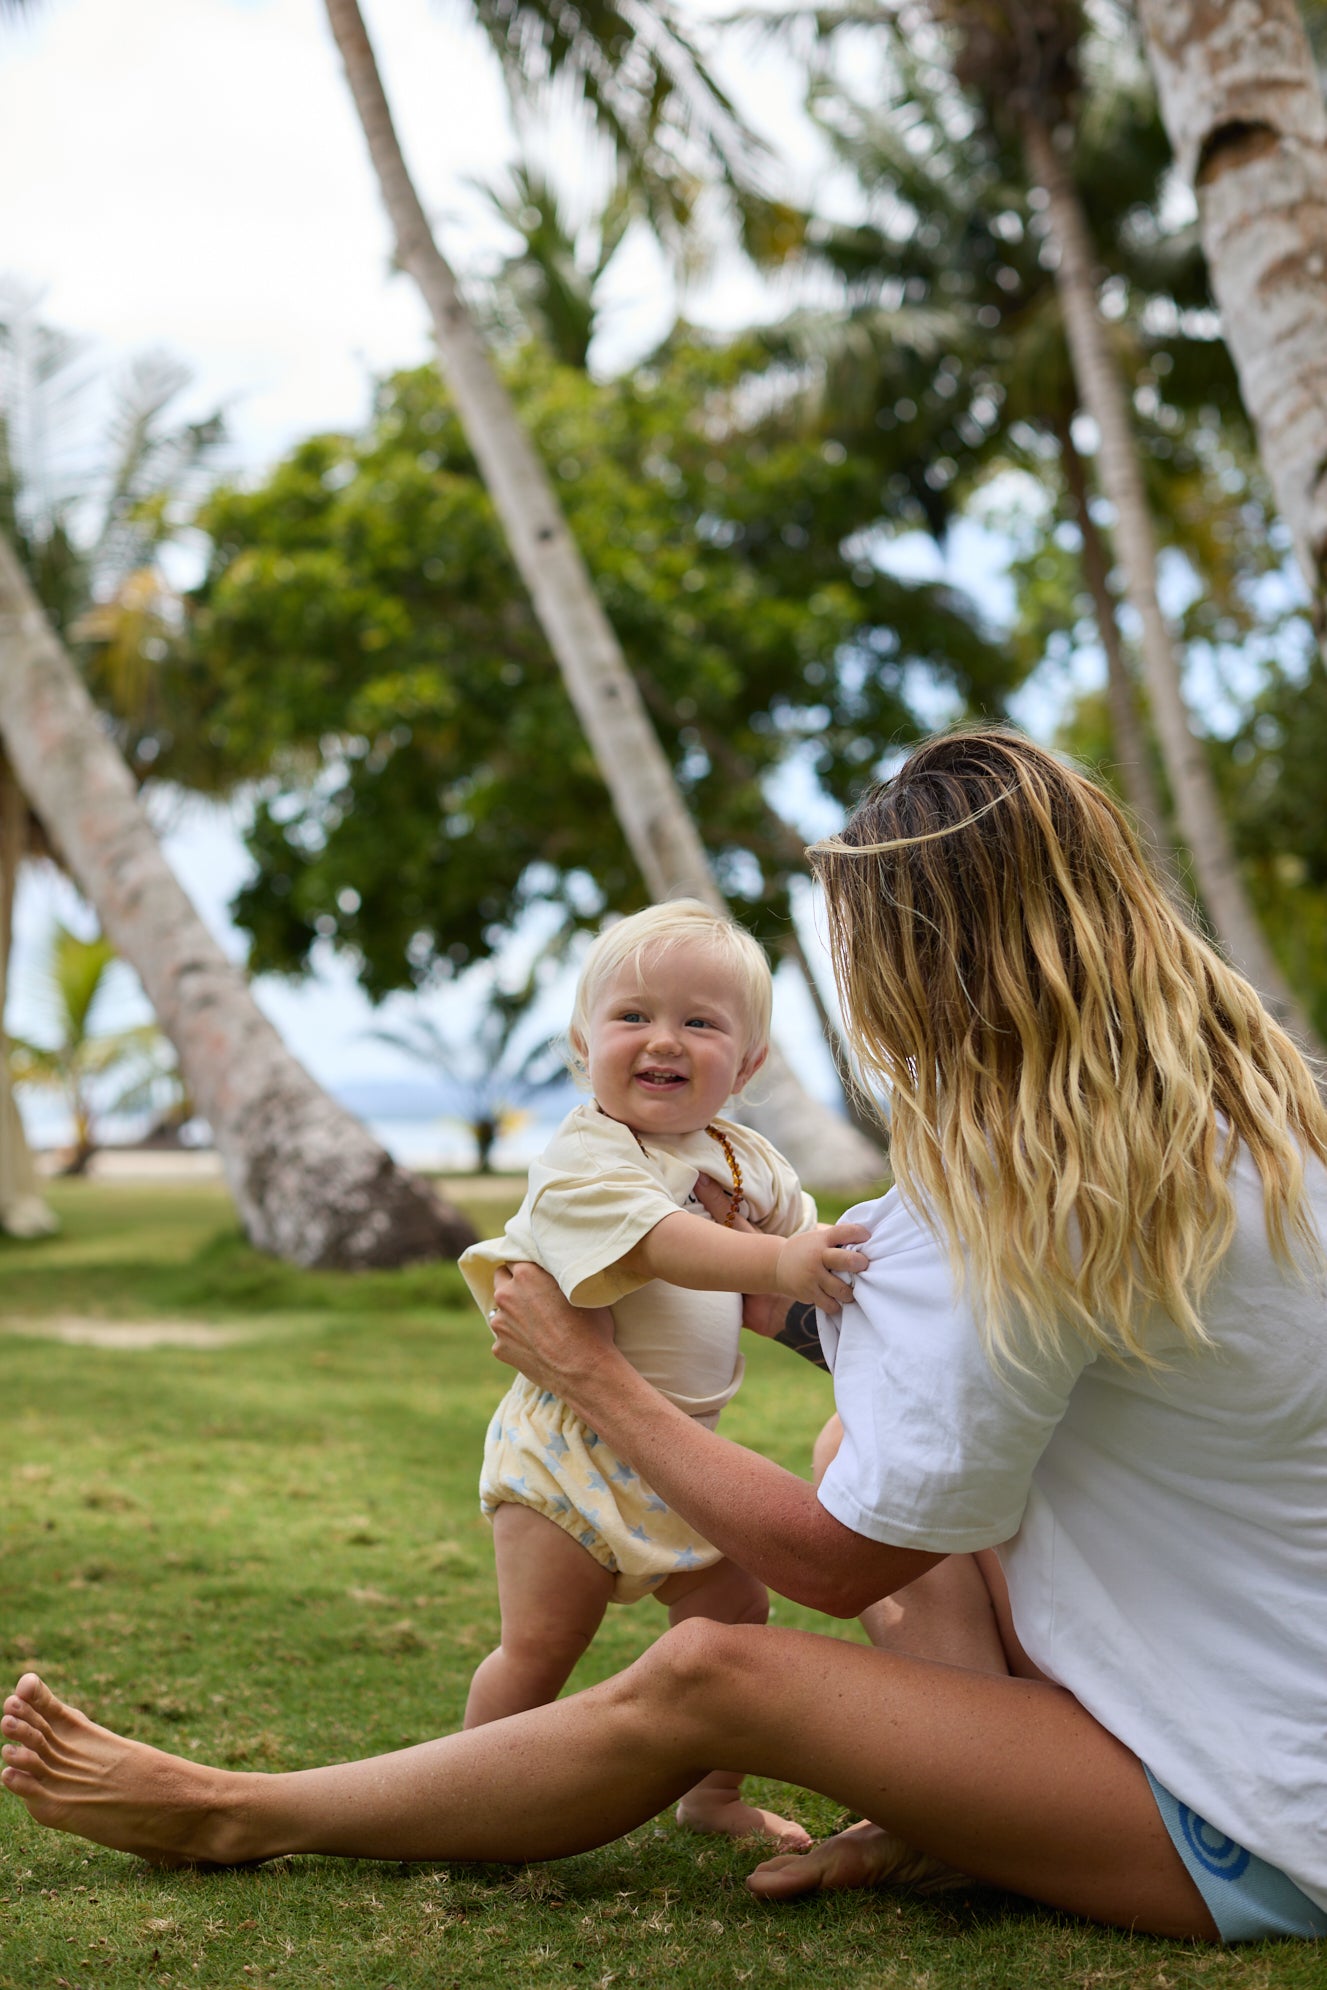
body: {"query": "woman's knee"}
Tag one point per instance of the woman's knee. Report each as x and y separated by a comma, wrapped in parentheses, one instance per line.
(691, 1670)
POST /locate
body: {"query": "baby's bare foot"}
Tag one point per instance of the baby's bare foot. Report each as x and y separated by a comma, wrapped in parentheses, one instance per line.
(724, 1811)
(863, 1855)
(75, 1776)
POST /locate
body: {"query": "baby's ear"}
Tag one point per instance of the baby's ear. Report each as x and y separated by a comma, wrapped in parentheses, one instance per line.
(577, 1041)
(750, 1065)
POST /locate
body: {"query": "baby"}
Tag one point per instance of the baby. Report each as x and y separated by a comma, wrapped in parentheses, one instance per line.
(671, 1018)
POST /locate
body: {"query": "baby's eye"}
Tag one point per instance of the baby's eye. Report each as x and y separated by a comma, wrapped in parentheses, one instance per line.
(632, 1016)
(700, 1023)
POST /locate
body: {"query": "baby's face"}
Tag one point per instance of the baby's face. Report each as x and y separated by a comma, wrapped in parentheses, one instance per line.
(668, 1041)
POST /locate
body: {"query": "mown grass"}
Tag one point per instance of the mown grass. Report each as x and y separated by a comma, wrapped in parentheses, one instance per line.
(268, 1554)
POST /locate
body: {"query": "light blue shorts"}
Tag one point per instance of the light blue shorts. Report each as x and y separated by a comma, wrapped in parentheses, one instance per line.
(1249, 1900)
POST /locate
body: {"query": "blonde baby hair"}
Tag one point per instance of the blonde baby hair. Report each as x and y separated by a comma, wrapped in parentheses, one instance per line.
(1058, 1045)
(643, 936)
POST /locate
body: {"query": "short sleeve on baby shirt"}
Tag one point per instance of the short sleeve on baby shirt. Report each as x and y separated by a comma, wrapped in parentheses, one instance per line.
(593, 1195)
(939, 1444)
(791, 1209)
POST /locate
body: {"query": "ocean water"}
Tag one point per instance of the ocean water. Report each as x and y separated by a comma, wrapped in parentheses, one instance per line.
(421, 1124)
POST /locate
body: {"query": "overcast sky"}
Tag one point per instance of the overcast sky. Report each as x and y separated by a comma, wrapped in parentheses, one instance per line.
(189, 174)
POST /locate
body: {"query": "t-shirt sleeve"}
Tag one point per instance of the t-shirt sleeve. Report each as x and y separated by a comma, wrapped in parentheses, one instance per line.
(792, 1210)
(939, 1443)
(589, 1204)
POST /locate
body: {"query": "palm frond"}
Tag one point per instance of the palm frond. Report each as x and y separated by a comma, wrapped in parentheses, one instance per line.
(645, 86)
(151, 467)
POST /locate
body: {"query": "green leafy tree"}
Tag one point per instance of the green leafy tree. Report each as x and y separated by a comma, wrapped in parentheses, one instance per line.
(361, 622)
(309, 1181)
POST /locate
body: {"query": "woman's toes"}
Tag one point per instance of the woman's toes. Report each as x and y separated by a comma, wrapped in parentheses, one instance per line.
(17, 1729)
(36, 1702)
(780, 1878)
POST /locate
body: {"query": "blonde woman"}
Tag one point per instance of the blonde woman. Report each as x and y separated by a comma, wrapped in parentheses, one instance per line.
(1091, 1336)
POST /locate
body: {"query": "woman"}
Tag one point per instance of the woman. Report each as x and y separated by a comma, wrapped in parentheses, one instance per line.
(1090, 1331)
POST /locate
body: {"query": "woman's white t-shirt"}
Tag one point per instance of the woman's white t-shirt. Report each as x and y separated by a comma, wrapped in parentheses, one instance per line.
(1164, 1534)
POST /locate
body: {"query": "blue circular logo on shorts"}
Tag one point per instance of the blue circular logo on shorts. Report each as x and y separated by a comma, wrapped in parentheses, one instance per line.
(1212, 1849)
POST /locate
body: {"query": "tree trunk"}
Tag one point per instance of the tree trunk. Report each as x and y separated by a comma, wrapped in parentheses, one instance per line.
(1243, 105)
(661, 835)
(1201, 824)
(309, 1182)
(856, 1102)
(23, 1213)
(1130, 737)
(789, 846)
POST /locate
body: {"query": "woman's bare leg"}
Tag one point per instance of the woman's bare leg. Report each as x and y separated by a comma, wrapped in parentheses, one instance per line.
(727, 1595)
(948, 1616)
(1008, 1779)
(958, 1613)
(552, 1594)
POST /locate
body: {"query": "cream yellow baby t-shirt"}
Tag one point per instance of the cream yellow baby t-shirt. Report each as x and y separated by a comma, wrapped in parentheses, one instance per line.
(594, 1192)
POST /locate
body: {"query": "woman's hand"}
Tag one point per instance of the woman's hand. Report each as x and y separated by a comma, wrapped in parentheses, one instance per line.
(539, 1332)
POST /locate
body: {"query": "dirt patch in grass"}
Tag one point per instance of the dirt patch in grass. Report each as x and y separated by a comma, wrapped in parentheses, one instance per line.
(81, 1330)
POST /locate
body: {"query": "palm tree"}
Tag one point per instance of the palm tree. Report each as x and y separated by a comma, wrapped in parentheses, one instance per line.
(946, 336)
(1243, 104)
(309, 1181)
(23, 1212)
(497, 1071)
(645, 797)
(1023, 63)
(1019, 67)
(313, 1186)
(1198, 813)
(81, 1055)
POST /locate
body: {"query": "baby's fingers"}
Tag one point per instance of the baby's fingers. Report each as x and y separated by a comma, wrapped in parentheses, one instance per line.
(833, 1292)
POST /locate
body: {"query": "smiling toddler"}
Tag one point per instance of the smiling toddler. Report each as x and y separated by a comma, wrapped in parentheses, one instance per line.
(671, 1019)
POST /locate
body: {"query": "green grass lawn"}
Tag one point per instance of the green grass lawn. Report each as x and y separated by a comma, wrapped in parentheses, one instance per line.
(267, 1552)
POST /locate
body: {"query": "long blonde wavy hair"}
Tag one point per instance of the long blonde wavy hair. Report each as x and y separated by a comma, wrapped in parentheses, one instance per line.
(1059, 1047)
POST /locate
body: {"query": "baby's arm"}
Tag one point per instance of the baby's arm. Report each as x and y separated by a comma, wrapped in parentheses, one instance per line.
(704, 1257)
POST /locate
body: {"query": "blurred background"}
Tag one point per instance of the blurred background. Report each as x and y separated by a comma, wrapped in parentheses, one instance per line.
(780, 298)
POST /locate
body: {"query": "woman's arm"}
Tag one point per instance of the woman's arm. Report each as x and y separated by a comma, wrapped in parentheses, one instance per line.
(800, 1332)
(766, 1519)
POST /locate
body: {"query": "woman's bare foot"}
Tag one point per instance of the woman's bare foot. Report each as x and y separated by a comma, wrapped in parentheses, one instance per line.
(721, 1809)
(863, 1855)
(76, 1776)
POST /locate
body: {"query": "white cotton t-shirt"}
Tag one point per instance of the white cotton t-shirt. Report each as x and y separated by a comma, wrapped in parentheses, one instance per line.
(594, 1192)
(1164, 1535)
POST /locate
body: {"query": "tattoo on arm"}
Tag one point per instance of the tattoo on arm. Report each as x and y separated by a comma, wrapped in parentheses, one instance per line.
(799, 1332)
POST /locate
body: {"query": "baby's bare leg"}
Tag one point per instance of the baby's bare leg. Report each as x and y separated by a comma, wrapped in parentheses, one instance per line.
(726, 1594)
(553, 1594)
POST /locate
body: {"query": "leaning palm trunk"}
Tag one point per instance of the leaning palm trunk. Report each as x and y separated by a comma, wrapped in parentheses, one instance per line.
(635, 770)
(309, 1182)
(23, 1213)
(1197, 811)
(1243, 105)
(1130, 738)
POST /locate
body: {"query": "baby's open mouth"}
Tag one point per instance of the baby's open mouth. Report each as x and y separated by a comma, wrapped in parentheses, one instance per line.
(661, 1081)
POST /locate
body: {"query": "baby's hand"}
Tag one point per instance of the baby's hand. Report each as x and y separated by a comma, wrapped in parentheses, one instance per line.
(812, 1266)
